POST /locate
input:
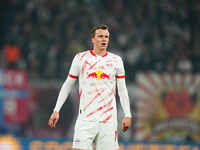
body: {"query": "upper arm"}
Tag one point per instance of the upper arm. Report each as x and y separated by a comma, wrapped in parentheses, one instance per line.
(120, 69)
(75, 69)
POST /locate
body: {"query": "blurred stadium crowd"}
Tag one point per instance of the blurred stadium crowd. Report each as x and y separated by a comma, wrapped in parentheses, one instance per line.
(159, 35)
(42, 36)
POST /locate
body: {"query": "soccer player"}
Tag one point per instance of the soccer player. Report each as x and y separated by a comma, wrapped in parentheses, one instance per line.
(99, 72)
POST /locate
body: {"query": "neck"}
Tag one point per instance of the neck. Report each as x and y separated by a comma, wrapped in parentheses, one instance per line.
(99, 52)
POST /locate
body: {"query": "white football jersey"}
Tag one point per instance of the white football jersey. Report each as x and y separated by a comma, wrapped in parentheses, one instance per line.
(97, 84)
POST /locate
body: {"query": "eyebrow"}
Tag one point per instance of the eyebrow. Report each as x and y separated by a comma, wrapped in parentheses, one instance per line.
(103, 35)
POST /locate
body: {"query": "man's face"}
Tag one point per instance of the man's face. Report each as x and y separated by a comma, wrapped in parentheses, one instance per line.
(101, 39)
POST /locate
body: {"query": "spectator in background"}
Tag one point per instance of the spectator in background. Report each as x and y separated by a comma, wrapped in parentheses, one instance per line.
(12, 55)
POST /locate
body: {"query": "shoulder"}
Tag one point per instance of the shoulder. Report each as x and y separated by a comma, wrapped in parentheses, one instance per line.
(115, 56)
(82, 54)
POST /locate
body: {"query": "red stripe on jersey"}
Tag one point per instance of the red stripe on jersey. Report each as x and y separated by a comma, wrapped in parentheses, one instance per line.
(107, 96)
(107, 118)
(100, 108)
(119, 77)
(114, 92)
(101, 100)
(109, 109)
(115, 135)
(96, 96)
(83, 55)
(80, 93)
(92, 66)
(72, 76)
(84, 66)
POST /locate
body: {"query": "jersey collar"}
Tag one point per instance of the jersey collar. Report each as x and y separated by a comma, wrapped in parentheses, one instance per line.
(92, 53)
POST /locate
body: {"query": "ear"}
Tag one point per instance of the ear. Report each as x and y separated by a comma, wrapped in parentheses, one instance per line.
(92, 40)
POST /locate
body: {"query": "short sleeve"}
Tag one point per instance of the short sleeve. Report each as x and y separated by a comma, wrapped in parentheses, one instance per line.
(74, 69)
(120, 69)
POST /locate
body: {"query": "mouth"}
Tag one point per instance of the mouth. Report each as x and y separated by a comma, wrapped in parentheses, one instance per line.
(103, 44)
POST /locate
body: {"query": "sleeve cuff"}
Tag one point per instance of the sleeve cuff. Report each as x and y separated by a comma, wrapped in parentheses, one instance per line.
(73, 76)
(128, 115)
(120, 77)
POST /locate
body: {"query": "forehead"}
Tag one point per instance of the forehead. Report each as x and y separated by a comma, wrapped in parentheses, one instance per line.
(101, 32)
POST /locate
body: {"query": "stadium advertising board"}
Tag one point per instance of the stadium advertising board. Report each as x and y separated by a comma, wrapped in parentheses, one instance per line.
(8, 142)
(13, 96)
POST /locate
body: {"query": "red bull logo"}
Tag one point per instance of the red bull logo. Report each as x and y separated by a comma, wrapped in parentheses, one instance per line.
(98, 75)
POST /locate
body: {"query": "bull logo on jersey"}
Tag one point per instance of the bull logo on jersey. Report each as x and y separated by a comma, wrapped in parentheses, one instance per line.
(98, 75)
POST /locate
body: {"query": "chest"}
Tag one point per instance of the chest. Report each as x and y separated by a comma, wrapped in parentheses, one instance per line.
(98, 67)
